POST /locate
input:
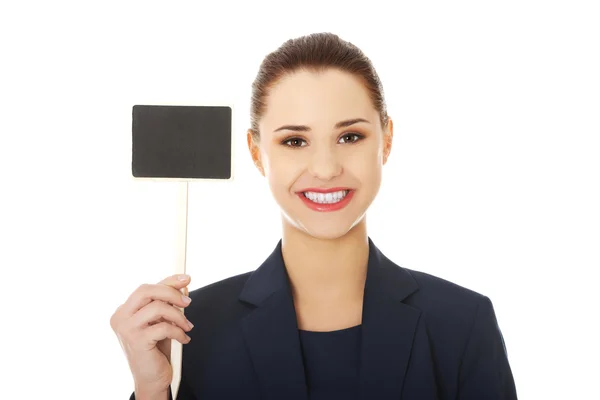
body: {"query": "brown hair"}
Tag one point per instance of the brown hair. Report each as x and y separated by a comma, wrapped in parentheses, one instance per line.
(315, 52)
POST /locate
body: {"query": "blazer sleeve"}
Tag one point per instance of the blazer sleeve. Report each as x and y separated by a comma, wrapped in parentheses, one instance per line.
(184, 392)
(485, 372)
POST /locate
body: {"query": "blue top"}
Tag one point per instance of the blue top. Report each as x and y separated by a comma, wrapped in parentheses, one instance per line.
(331, 363)
(421, 338)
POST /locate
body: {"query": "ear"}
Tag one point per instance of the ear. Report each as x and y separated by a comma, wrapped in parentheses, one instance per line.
(254, 149)
(387, 140)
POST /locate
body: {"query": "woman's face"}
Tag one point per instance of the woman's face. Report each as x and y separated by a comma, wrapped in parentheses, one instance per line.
(311, 141)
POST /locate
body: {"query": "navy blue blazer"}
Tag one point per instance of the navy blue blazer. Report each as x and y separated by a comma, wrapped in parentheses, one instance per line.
(422, 338)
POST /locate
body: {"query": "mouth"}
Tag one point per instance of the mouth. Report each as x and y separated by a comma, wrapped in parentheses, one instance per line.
(329, 200)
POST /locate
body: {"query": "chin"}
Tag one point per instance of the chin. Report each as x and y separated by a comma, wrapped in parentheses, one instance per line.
(322, 229)
(326, 234)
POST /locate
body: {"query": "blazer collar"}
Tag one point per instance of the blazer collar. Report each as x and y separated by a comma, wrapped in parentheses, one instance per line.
(388, 328)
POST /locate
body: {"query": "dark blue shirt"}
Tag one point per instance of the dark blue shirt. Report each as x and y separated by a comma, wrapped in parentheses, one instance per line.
(331, 363)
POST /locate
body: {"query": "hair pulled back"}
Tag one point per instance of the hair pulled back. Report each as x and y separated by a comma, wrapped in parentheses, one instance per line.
(316, 52)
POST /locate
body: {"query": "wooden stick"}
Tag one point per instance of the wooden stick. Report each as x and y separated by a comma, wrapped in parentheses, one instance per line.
(182, 217)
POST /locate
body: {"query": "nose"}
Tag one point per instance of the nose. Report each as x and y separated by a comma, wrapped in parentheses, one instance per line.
(325, 165)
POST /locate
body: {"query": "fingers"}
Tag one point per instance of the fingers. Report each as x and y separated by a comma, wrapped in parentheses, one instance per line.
(168, 290)
(164, 330)
(157, 312)
(177, 281)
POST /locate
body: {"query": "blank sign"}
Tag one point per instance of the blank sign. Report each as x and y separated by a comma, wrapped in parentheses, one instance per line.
(185, 142)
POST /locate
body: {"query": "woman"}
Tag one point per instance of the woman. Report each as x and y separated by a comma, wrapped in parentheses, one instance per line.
(326, 315)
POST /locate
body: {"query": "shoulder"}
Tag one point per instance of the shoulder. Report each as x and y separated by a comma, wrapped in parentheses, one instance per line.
(218, 301)
(444, 303)
(436, 289)
(226, 288)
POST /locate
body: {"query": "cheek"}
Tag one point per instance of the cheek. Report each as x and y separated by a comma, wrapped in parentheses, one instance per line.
(369, 176)
(367, 168)
(365, 159)
(282, 172)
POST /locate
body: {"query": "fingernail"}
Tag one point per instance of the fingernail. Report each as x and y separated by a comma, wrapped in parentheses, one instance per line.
(182, 277)
(186, 299)
(190, 324)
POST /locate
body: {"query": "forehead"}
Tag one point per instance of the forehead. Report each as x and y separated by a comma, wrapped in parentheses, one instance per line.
(311, 98)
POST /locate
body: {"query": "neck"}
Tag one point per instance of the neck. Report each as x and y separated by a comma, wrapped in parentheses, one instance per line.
(326, 270)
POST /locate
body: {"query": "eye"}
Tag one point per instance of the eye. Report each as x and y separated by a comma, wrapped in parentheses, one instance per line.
(294, 142)
(351, 137)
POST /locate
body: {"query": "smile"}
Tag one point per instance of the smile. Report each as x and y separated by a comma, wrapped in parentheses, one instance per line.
(326, 198)
(330, 201)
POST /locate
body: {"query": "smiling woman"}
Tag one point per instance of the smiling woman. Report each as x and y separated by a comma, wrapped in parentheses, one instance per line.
(319, 133)
(327, 315)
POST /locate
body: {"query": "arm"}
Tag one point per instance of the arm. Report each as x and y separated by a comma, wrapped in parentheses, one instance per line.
(485, 372)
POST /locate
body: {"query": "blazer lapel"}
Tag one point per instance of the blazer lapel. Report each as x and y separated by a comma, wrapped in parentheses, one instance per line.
(271, 331)
(388, 328)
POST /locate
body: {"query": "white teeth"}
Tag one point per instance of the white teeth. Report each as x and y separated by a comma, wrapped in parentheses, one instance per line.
(326, 198)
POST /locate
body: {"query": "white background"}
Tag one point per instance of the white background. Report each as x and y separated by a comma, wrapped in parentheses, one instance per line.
(493, 182)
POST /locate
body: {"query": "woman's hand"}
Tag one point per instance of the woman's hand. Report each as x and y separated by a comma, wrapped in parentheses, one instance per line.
(145, 325)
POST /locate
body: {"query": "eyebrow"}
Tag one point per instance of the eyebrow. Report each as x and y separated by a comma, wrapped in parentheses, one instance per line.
(304, 128)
